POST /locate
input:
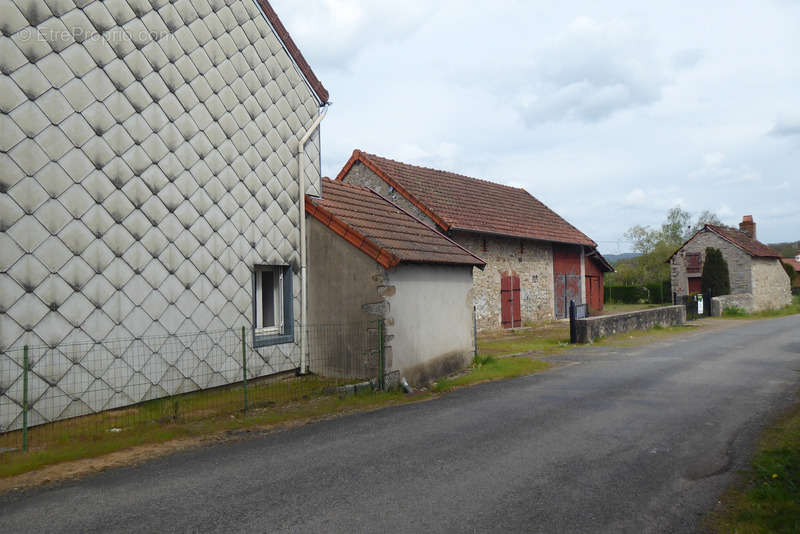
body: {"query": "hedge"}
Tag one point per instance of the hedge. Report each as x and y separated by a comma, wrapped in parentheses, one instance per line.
(655, 293)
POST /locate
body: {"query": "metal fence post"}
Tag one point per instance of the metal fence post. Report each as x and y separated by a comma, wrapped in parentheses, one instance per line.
(25, 399)
(475, 329)
(244, 369)
(381, 360)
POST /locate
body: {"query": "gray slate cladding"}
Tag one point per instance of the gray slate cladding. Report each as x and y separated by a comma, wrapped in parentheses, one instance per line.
(147, 162)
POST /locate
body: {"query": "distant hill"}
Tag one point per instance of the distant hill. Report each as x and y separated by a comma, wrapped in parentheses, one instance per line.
(614, 258)
(787, 250)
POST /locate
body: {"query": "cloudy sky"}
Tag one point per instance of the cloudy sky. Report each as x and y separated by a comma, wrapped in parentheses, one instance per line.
(609, 112)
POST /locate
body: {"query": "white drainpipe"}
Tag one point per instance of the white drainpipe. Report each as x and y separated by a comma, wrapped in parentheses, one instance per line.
(303, 252)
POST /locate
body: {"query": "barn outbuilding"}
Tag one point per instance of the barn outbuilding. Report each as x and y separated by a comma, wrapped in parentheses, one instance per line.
(536, 262)
(757, 278)
(370, 260)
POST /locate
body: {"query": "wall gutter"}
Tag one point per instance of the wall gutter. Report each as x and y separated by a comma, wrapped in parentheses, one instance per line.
(301, 179)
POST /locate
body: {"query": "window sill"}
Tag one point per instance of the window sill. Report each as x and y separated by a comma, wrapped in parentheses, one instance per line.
(268, 340)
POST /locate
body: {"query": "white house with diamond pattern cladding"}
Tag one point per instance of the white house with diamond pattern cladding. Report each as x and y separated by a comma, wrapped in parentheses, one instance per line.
(148, 187)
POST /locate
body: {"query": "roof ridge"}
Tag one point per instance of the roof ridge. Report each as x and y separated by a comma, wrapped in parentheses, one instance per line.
(482, 180)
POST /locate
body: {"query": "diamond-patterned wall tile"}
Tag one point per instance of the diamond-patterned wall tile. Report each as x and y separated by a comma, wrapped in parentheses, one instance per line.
(141, 180)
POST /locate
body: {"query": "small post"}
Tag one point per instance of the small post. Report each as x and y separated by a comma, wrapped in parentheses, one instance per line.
(573, 333)
(244, 369)
(25, 399)
(674, 299)
(475, 330)
(381, 361)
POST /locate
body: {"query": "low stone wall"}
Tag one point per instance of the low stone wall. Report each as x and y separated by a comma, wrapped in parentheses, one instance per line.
(741, 300)
(593, 328)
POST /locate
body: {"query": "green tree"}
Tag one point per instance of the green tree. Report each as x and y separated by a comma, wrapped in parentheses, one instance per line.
(655, 246)
(706, 217)
(677, 227)
(791, 272)
(715, 277)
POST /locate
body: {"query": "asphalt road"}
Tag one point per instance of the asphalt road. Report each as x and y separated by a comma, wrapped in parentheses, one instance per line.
(621, 440)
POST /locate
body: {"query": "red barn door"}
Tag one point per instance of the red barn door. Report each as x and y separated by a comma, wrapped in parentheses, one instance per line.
(510, 308)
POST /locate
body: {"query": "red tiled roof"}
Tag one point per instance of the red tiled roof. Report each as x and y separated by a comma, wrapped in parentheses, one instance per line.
(738, 238)
(744, 241)
(383, 230)
(793, 263)
(297, 56)
(457, 202)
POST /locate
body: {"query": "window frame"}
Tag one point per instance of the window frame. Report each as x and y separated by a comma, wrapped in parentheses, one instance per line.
(283, 331)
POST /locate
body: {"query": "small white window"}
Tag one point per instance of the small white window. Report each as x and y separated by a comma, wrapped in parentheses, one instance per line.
(269, 300)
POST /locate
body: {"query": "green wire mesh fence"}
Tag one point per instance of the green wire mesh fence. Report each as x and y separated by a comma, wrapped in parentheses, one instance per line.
(61, 392)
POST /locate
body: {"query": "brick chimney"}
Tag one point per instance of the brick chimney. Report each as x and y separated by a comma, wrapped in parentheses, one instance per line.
(748, 226)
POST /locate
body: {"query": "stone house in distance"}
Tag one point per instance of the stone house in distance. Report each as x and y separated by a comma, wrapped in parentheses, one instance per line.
(150, 170)
(536, 262)
(369, 259)
(756, 274)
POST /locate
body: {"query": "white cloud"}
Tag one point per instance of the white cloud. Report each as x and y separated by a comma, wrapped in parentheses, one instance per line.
(592, 71)
(687, 58)
(714, 171)
(335, 32)
(786, 126)
(622, 95)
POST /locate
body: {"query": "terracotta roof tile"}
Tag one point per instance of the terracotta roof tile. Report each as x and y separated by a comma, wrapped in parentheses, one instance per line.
(792, 263)
(457, 202)
(382, 229)
(744, 241)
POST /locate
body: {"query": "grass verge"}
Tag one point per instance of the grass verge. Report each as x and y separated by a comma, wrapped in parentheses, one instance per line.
(209, 413)
(543, 338)
(90, 440)
(489, 368)
(734, 312)
(768, 497)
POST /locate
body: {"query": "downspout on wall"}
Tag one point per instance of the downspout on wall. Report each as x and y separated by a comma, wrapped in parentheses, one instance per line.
(301, 179)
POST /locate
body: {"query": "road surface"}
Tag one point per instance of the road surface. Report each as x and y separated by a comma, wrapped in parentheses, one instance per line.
(642, 439)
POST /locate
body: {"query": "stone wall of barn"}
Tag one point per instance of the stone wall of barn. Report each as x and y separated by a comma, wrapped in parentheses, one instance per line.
(771, 286)
(739, 263)
(360, 174)
(532, 261)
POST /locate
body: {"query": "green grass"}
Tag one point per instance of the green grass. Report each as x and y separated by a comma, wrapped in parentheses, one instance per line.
(92, 438)
(612, 308)
(768, 499)
(543, 338)
(733, 312)
(488, 368)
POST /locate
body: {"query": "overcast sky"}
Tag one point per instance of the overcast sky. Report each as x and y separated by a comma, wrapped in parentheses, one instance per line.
(608, 112)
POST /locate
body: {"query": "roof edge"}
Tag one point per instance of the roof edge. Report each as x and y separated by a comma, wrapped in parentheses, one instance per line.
(294, 51)
(385, 258)
(716, 231)
(712, 228)
(360, 156)
(602, 260)
(517, 236)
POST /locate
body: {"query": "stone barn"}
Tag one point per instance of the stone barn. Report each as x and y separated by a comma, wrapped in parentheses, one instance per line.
(757, 278)
(536, 262)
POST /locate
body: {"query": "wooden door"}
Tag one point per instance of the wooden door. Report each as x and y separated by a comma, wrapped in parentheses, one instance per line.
(695, 285)
(510, 306)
